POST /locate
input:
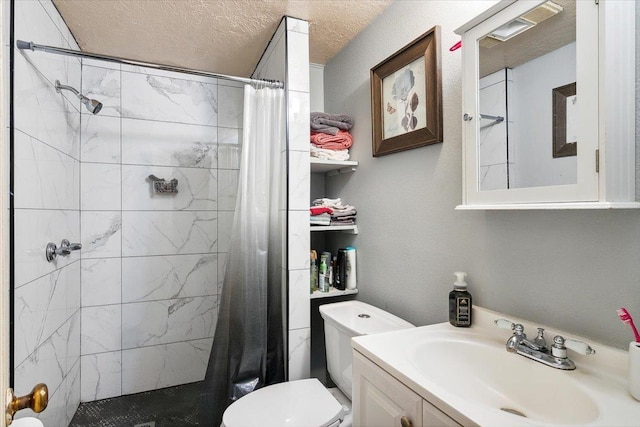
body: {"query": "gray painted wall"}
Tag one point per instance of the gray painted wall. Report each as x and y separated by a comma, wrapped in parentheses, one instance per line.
(567, 269)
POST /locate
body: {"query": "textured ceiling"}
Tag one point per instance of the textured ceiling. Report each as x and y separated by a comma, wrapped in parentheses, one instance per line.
(222, 36)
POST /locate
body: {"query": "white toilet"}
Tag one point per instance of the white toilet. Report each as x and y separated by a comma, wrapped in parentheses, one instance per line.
(27, 422)
(307, 403)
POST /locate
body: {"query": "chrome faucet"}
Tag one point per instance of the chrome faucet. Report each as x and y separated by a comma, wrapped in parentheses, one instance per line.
(519, 338)
(555, 356)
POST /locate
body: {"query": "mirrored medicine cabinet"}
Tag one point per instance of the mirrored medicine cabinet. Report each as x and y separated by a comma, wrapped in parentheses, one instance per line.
(549, 106)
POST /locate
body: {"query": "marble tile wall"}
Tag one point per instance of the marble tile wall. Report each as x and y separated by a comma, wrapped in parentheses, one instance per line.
(298, 195)
(47, 204)
(152, 263)
(136, 310)
(287, 58)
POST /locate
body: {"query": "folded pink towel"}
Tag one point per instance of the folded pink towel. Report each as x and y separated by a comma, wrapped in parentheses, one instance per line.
(339, 141)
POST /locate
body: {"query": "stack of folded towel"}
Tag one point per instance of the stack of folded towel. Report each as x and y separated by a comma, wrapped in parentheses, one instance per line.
(320, 215)
(332, 212)
(330, 137)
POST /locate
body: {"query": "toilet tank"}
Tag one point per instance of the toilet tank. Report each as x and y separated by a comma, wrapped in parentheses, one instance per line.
(344, 320)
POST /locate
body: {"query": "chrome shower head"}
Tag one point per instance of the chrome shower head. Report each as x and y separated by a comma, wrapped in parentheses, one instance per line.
(92, 105)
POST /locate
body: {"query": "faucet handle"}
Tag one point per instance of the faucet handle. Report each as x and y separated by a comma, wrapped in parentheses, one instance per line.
(504, 324)
(558, 348)
(517, 328)
(560, 345)
(579, 347)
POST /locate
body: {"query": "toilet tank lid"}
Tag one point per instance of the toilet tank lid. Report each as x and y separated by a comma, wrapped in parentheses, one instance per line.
(359, 318)
(289, 404)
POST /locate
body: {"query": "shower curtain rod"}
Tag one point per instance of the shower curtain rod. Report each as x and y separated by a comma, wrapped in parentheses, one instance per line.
(20, 44)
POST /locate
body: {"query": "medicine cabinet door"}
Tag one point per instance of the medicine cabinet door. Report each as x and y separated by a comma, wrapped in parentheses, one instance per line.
(530, 104)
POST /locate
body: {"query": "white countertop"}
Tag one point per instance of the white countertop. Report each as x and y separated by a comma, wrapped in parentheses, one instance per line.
(601, 378)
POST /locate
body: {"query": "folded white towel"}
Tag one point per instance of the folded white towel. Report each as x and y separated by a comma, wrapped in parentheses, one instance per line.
(335, 204)
(326, 154)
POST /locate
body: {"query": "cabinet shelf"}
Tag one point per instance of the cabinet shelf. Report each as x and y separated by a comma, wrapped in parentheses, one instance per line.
(350, 229)
(549, 206)
(333, 293)
(332, 167)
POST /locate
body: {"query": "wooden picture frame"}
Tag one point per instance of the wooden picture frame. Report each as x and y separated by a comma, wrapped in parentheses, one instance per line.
(562, 118)
(406, 97)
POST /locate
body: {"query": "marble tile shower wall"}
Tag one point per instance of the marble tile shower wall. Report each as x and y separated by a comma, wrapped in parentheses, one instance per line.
(151, 263)
(46, 200)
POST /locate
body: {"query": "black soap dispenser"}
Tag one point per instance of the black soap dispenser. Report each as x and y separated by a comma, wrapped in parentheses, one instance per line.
(460, 302)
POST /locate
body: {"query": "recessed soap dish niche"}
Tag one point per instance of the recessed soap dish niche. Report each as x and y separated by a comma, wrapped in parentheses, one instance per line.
(162, 186)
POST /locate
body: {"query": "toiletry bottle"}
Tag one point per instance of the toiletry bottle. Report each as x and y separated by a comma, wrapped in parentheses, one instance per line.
(351, 268)
(330, 273)
(327, 275)
(341, 274)
(460, 302)
(322, 282)
(334, 271)
(314, 271)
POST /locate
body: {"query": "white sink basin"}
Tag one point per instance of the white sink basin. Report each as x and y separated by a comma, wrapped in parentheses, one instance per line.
(482, 373)
(468, 374)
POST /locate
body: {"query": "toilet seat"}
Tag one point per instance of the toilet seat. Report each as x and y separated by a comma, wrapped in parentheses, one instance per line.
(301, 403)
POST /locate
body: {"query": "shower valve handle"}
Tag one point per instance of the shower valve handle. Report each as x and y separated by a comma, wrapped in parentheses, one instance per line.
(65, 249)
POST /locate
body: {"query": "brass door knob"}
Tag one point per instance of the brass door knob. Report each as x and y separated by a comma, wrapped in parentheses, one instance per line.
(405, 421)
(36, 401)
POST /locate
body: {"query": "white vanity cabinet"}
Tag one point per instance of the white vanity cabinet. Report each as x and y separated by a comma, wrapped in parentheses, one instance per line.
(380, 400)
(548, 106)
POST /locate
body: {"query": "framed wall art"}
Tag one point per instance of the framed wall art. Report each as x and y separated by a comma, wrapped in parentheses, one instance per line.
(565, 141)
(406, 97)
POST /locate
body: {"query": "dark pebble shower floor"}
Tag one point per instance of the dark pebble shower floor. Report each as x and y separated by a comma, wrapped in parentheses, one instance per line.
(168, 407)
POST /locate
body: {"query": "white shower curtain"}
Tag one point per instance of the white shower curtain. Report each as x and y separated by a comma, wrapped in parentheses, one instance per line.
(248, 347)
